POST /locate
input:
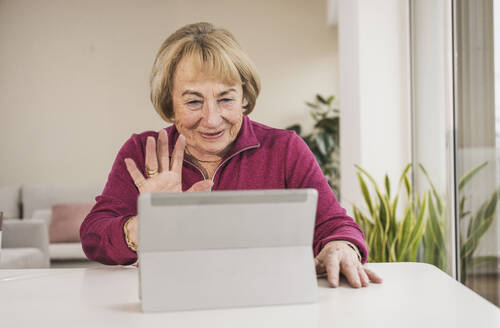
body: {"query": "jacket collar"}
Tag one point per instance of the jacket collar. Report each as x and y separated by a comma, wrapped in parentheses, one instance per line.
(245, 139)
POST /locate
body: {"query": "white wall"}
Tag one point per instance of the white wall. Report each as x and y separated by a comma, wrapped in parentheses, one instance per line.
(374, 91)
(74, 74)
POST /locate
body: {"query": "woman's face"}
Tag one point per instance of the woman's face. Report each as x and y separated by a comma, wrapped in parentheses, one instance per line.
(207, 112)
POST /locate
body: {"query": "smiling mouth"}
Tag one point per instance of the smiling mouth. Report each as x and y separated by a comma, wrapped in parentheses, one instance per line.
(211, 136)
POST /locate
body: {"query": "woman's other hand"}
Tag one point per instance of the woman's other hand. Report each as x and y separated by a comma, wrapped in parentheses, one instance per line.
(338, 257)
(163, 174)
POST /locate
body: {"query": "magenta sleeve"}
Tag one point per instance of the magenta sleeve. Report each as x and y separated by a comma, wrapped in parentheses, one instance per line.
(101, 232)
(332, 221)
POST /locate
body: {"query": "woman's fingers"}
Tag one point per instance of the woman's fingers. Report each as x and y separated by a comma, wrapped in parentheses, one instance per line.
(151, 159)
(338, 259)
(204, 185)
(134, 172)
(163, 154)
(373, 276)
(333, 270)
(178, 155)
(350, 271)
(365, 281)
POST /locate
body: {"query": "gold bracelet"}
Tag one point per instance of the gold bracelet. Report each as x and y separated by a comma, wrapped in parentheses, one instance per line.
(132, 245)
(355, 248)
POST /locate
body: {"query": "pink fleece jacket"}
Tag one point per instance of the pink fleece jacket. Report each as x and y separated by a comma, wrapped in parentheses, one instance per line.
(260, 158)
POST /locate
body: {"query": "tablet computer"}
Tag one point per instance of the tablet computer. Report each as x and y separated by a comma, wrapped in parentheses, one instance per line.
(219, 249)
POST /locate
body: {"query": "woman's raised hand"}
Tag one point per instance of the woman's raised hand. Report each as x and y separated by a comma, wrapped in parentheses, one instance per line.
(163, 174)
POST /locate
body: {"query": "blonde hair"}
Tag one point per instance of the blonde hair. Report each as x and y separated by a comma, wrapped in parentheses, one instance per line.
(212, 48)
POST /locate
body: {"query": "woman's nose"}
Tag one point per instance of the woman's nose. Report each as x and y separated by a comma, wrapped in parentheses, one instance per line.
(213, 115)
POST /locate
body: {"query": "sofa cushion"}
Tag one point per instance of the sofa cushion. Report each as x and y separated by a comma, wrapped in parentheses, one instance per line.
(41, 196)
(66, 220)
(10, 201)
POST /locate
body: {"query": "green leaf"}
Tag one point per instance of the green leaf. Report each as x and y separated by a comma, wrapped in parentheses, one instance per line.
(434, 191)
(472, 241)
(370, 242)
(312, 105)
(381, 244)
(392, 251)
(394, 205)
(404, 233)
(483, 259)
(476, 220)
(403, 175)
(392, 218)
(428, 245)
(436, 232)
(367, 175)
(321, 99)
(461, 211)
(329, 125)
(365, 193)
(384, 213)
(375, 251)
(469, 175)
(357, 218)
(484, 214)
(387, 185)
(369, 224)
(361, 219)
(416, 235)
(417, 232)
(491, 205)
(320, 142)
(330, 100)
(408, 187)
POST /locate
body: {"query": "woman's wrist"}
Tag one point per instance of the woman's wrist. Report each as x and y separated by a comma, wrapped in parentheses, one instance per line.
(346, 243)
(355, 248)
(130, 233)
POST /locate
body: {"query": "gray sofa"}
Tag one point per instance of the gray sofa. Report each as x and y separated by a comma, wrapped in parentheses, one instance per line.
(24, 244)
(34, 202)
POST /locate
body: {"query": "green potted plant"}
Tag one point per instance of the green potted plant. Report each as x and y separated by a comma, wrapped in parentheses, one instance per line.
(324, 138)
(420, 232)
(390, 239)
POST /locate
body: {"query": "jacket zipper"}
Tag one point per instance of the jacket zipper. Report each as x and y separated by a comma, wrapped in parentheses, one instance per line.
(192, 164)
(227, 159)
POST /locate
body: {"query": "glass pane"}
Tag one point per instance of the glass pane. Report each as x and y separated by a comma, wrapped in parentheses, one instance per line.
(432, 117)
(477, 46)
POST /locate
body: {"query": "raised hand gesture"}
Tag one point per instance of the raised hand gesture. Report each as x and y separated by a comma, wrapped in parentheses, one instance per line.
(163, 174)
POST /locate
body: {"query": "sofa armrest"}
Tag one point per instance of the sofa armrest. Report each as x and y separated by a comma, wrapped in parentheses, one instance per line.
(44, 215)
(26, 233)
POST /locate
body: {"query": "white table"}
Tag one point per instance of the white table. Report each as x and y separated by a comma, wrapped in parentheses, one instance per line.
(412, 295)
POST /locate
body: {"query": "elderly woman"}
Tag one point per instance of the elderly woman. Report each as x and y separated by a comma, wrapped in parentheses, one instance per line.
(205, 85)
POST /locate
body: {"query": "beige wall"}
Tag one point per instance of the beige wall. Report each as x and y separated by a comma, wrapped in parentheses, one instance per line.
(74, 74)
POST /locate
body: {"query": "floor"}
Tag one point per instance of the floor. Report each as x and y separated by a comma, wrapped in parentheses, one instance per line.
(486, 285)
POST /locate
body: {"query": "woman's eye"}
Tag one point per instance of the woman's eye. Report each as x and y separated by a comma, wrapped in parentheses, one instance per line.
(194, 103)
(226, 100)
